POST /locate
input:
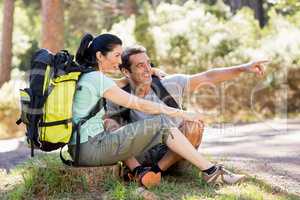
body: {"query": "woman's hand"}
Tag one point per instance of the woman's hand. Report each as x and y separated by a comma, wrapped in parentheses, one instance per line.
(110, 125)
(159, 73)
(192, 116)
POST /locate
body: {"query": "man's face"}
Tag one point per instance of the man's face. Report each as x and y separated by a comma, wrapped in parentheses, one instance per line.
(140, 69)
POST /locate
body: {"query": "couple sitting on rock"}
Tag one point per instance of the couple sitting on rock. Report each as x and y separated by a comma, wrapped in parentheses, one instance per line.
(144, 125)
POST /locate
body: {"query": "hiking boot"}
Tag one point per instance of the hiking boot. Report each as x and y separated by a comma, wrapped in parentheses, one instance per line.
(214, 177)
(231, 178)
(221, 175)
(150, 179)
(146, 177)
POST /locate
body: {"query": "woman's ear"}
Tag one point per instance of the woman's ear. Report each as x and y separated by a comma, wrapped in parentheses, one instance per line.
(99, 56)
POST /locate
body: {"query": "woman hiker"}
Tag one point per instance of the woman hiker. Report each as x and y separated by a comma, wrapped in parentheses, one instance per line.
(99, 147)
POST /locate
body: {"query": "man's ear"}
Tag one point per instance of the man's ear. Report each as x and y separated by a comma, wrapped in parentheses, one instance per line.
(99, 56)
(125, 72)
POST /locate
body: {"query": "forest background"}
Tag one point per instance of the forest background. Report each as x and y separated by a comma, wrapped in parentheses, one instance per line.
(181, 37)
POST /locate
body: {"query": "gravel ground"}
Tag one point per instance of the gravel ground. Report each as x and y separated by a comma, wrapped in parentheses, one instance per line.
(13, 152)
(269, 150)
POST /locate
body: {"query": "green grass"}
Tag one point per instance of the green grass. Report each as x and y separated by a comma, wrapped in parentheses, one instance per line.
(41, 178)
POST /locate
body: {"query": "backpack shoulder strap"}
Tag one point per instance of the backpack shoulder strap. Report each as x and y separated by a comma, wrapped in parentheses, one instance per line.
(162, 93)
(99, 105)
(123, 113)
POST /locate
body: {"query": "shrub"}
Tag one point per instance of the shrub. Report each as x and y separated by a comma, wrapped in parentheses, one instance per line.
(196, 37)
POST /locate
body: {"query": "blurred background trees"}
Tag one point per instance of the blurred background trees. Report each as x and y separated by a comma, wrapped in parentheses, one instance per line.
(6, 47)
(34, 22)
(182, 36)
(255, 5)
(52, 25)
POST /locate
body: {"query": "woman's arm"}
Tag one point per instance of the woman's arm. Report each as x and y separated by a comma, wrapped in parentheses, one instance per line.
(120, 97)
(158, 72)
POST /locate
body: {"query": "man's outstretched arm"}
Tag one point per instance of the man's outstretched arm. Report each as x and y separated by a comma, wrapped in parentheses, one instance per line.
(218, 75)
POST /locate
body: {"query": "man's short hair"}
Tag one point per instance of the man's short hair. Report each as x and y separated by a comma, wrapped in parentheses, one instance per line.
(129, 51)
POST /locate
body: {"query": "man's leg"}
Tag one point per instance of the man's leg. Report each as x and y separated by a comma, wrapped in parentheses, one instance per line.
(193, 131)
(132, 163)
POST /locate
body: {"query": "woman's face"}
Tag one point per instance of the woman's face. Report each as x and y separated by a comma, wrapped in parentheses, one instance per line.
(111, 61)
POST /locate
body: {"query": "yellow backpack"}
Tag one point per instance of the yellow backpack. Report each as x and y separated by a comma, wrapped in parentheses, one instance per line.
(46, 105)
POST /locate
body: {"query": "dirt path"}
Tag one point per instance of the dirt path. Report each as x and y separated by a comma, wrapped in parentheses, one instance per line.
(13, 152)
(269, 150)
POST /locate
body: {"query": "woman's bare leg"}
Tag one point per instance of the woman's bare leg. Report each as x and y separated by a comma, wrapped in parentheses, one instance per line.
(179, 144)
(193, 132)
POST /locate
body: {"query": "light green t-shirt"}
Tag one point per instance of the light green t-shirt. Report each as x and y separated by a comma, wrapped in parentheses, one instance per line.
(92, 86)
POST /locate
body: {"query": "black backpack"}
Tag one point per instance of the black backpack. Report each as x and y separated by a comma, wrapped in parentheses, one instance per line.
(46, 105)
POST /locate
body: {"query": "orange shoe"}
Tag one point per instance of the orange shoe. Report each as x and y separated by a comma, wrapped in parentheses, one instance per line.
(150, 179)
(146, 177)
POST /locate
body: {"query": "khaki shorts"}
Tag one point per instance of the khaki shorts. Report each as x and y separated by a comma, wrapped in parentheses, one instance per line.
(151, 156)
(156, 153)
(108, 148)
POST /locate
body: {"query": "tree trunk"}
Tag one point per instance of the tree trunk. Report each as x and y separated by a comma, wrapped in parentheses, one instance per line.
(52, 25)
(256, 5)
(7, 34)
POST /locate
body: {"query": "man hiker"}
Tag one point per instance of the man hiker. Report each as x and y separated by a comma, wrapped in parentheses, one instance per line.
(170, 90)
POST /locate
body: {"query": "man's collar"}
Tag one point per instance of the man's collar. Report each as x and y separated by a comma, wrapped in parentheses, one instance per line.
(140, 91)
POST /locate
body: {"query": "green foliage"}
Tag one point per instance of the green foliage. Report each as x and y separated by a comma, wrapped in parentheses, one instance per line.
(188, 37)
(26, 57)
(195, 37)
(89, 20)
(179, 47)
(142, 32)
(116, 189)
(219, 9)
(27, 26)
(93, 17)
(287, 7)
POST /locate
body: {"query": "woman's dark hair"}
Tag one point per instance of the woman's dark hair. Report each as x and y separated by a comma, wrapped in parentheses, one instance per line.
(86, 53)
